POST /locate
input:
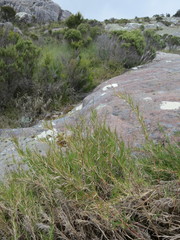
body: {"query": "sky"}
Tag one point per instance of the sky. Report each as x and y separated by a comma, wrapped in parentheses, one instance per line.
(105, 9)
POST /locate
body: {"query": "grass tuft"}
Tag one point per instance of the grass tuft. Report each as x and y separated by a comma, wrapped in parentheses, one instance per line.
(93, 187)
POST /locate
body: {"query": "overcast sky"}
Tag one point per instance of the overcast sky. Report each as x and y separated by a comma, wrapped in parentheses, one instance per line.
(105, 9)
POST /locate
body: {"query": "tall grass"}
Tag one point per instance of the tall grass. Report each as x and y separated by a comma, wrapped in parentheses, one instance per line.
(74, 192)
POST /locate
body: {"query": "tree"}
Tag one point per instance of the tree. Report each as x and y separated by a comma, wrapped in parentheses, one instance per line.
(177, 14)
(18, 59)
(74, 20)
(7, 13)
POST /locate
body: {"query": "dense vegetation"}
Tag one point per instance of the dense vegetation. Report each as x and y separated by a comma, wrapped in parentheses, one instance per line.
(52, 66)
(177, 14)
(90, 185)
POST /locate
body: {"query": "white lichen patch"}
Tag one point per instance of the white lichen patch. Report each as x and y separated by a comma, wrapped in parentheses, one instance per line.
(100, 106)
(113, 85)
(167, 105)
(134, 68)
(78, 108)
(147, 99)
(103, 94)
(49, 134)
(168, 61)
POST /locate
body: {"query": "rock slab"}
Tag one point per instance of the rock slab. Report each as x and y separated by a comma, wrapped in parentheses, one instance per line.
(41, 11)
(153, 87)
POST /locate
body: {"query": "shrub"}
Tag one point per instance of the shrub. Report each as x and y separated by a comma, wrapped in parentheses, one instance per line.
(74, 20)
(146, 19)
(131, 39)
(166, 23)
(7, 13)
(74, 37)
(122, 21)
(172, 41)
(78, 74)
(177, 14)
(17, 65)
(128, 48)
(95, 31)
(84, 28)
(159, 18)
(111, 49)
(153, 40)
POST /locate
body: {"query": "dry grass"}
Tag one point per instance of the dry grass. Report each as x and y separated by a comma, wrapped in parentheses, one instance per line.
(93, 188)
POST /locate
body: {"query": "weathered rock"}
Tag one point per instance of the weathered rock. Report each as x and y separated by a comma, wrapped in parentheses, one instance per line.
(10, 27)
(24, 17)
(65, 14)
(132, 26)
(113, 27)
(17, 30)
(154, 25)
(174, 20)
(41, 11)
(154, 87)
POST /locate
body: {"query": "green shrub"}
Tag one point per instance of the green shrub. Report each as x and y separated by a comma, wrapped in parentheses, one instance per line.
(171, 41)
(177, 14)
(142, 27)
(146, 19)
(84, 28)
(17, 64)
(74, 20)
(7, 13)
(95, 31)
(122, 21)
(159, 18)
(74, 38)
(131, 39)
(78, 74)
(153, 40)
(73, 35)
(34, 36)
(166, 23)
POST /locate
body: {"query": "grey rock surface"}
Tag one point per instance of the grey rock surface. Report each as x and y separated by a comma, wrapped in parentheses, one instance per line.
(42, 11)
(154, 87)
(23, 16)
(173, 29)
(10, 27)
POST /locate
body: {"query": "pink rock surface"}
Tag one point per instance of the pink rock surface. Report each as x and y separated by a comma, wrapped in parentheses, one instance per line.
(154, 87)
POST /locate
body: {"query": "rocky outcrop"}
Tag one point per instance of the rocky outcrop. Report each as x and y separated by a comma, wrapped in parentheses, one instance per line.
(41, 11)
(9, 26)
(154, 87)
(132, 26)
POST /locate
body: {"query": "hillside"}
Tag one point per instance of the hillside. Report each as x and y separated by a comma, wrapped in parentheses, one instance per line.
(89, 125)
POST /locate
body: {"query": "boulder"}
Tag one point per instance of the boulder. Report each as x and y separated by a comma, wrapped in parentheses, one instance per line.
(10, 27)
(65, 14)
(113, 27)
(153, 87)
(17, 30)
(24, 17)
(42, 11)
(154, 25)
(131, 26)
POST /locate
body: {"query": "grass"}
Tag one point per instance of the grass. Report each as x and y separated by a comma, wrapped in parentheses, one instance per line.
(91, 186)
